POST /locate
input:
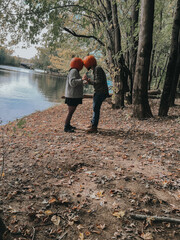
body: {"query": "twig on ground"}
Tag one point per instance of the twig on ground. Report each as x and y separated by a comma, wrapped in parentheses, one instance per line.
(34, 233)
(155, 218)
(62, 235)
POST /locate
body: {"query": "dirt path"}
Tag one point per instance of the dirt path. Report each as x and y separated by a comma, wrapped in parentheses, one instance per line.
(60, 185)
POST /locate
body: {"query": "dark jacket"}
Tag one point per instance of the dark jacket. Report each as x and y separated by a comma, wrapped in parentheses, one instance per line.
(100, 82)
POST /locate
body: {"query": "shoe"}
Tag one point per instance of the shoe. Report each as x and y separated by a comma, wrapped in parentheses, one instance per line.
(71, 127)
(93, 129)
(68, 129)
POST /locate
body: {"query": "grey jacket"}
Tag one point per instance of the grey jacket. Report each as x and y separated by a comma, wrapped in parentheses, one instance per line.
(74, 85)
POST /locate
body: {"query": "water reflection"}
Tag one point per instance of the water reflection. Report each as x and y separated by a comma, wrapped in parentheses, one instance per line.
(51, 87)
(23, 92)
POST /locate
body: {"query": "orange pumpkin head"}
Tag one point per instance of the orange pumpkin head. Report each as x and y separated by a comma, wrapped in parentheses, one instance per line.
(89, 61)
(76, 63)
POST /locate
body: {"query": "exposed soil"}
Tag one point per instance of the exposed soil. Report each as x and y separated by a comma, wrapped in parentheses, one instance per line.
(58, 185)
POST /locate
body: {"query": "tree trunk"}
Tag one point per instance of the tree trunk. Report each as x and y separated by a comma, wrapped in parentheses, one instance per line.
(109, 31)
(176, 77)
(170, 74)
(162, 73)
(179, 84)
(141, 108)
(133, 50)
(117, 84)
(120, 69)
(151, 69)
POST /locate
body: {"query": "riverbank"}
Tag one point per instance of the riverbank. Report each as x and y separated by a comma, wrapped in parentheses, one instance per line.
(59, 185)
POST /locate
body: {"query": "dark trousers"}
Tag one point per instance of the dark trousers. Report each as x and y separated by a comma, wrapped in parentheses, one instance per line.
(98, 99)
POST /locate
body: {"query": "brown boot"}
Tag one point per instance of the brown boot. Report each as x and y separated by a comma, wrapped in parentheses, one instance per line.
(93, 129)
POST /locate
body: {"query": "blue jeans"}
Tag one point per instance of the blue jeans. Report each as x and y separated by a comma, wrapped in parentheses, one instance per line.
(97, 102)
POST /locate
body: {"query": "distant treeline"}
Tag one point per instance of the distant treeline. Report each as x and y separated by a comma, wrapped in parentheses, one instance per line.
(6, 58)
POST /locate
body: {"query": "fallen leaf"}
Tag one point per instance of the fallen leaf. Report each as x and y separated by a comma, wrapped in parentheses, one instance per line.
(87, 233)
(80, 227)
(147, 236)
(119, 214)
(100, 194)
(52, 200)
(101, 226)
(56, 220)
(81, 236)
(48, 212)
(39, 215)
(97, 232)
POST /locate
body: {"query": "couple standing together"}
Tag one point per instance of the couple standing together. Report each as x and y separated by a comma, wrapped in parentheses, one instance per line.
(74, 90)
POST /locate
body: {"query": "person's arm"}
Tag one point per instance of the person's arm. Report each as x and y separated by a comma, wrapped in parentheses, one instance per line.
(74, 78)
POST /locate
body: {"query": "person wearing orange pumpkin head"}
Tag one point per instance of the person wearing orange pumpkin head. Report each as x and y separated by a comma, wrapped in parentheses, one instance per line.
(101, 91)
(73, 91)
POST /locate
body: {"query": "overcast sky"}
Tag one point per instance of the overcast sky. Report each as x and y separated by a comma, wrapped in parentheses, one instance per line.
(21, 50)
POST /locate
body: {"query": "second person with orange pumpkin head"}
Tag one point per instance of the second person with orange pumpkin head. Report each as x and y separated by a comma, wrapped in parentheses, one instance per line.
(73, 91)
(101, 91)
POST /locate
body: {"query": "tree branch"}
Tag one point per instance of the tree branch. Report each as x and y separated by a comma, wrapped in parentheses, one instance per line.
(38, 11)
(83, 36)
(155, 218)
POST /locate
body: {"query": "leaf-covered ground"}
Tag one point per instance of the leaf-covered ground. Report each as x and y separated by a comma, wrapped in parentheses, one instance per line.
(59, 185)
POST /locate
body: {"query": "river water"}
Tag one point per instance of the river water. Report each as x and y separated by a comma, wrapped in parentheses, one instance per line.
(24, 91)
